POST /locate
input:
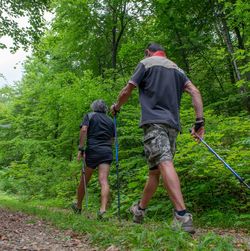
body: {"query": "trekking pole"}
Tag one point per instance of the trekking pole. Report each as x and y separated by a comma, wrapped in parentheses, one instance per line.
(84, 182)
(117, 168)
(226, 165)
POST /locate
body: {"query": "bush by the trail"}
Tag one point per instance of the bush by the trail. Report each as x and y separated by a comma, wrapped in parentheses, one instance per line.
(36, 173)
(89, 52)
(206, 183)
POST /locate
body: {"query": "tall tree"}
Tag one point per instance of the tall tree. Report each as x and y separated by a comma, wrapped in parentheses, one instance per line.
(12, 10)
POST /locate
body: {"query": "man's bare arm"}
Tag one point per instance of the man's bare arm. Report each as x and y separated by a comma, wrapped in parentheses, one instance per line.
(198, 129)
(196, 98)
(123, 97)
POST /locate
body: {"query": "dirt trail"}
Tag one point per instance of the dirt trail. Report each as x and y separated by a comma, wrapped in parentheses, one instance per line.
(19, 231)
(240, 237)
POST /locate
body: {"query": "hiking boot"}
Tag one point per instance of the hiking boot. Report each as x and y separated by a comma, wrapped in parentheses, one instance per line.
(138, 214)
(76, 209)
(185, 222)
(101, 215)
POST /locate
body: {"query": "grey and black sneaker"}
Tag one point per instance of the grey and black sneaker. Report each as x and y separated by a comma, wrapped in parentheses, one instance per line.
(101, 215)
(76, 209)
(138, 214)
(185, 222)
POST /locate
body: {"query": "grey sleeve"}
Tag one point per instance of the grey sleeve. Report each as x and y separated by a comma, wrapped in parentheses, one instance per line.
(85, 121)
(183, 79)
(138, 75)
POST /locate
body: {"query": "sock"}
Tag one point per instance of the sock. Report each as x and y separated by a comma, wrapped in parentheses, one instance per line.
(182, 212)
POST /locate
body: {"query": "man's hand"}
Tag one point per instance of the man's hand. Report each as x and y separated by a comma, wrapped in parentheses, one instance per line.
(122, 98)
(114, 110)
(198, 129)
(200, 133)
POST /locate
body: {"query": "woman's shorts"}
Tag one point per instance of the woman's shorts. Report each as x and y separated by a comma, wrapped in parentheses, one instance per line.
(94, 159)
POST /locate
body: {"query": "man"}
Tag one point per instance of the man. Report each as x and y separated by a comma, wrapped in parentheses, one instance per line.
(99, 131)
(161, 84)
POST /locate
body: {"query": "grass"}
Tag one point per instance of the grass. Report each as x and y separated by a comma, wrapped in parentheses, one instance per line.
(211, 218)
(124, 234)
(229, 219)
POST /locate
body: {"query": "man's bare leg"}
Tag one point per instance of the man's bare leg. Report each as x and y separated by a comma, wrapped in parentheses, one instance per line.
(103, 180)
(172, 184)
(150, 188)
(81, 190)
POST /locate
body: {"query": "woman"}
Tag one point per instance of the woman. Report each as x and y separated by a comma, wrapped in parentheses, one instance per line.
(98, 130)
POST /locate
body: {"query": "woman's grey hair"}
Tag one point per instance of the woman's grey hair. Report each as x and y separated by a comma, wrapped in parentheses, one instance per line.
(99, 106)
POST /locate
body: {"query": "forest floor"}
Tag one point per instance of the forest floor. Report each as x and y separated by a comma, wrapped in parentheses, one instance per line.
(20, 231)
(240, 237)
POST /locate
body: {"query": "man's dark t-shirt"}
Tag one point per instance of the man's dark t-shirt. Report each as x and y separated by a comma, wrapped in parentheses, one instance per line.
(99, 138)
(161, 83)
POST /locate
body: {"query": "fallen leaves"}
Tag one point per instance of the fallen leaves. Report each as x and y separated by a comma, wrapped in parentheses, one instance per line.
(19, 231)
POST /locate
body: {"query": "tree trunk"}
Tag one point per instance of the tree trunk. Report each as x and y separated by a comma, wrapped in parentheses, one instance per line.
(239, 38)
(229, 45)
(231, 70)
(117, 34)
(114, 47)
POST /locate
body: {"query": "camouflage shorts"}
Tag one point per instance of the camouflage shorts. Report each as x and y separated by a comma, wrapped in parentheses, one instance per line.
(159, 143)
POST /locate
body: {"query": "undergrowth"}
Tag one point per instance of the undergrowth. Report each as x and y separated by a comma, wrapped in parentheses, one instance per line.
(123, 234)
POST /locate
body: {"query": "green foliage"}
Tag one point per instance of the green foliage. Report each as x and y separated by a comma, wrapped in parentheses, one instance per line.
(11, 10)
(90, 53)
(211, 241)
(124, 235)
(206, 183)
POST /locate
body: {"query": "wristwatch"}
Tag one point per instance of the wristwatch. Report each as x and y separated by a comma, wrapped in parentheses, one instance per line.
(200, 122)
(81, 149)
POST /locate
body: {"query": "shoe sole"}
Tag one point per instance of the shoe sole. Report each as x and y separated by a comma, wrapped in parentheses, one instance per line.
(189, 230)
(76, 210)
